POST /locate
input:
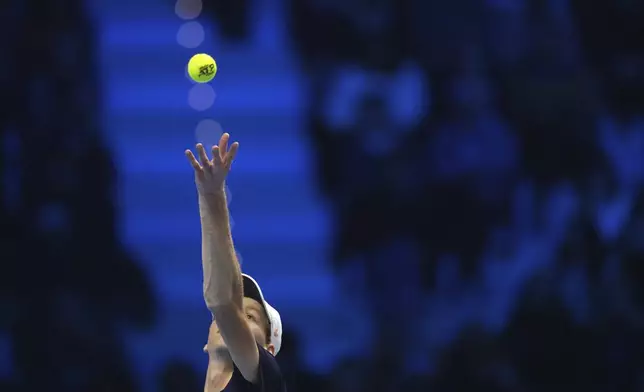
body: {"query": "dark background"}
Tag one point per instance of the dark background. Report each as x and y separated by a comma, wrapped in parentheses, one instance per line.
(437, 195)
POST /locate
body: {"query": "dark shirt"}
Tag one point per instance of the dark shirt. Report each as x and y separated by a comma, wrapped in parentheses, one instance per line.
(269, 378)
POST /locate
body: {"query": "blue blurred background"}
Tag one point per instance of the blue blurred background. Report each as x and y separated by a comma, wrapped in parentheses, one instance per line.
(437, 195)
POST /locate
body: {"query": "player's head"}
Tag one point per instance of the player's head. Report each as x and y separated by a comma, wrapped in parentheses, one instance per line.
(264, 321)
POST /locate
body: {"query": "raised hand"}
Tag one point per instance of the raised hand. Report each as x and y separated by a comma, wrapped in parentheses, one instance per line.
(210, 174)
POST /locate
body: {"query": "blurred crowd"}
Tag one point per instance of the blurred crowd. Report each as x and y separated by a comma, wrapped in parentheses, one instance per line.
(476, 151)
(61, 312)
(468, 144)
(67, 284)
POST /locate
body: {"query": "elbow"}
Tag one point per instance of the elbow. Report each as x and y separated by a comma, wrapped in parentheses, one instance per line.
(219, 295)
(216, 300)
(214, 304)
(223, 310)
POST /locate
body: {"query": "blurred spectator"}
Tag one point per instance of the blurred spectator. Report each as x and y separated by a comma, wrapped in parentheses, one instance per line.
(472, 156)
(381, 109)
(372, 167)
(546, 96)
(369, 156)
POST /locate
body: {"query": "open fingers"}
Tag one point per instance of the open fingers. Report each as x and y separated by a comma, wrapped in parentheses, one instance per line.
(193, 161)
(230, 156)
(216, 156)
(203, 157)
(223, 144)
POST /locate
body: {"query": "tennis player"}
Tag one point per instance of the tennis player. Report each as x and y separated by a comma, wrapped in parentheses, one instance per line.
(246, 332)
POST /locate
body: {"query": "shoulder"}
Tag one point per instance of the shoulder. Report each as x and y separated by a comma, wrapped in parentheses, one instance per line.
(270, 374)
(269, 377)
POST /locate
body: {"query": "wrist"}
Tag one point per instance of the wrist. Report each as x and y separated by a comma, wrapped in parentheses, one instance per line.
(213, 201)
(212, 193)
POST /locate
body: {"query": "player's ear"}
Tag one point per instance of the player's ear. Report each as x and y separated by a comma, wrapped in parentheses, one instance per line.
(205, 348)
(271, 349)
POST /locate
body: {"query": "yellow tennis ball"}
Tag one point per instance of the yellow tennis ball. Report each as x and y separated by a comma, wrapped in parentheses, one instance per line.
(202, 68)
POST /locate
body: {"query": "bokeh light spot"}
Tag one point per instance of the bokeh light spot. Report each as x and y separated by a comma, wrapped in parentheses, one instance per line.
(188, 9)
(201, 96)
(191, 35)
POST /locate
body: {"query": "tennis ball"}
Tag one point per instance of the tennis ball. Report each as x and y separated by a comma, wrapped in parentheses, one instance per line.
(202, 68)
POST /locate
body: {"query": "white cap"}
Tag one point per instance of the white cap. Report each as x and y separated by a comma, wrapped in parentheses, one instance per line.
(253, 291)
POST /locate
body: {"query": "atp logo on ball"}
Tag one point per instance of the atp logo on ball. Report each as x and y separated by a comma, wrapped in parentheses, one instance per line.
(202, 68)
(207, 70)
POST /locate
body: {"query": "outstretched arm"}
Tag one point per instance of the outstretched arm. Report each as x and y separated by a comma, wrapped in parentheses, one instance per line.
(221, 271)
(222, 281)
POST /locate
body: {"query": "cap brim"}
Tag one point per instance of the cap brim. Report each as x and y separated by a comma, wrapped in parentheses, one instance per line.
(252, 290)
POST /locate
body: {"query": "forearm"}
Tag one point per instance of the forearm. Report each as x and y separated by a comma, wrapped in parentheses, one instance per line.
(222, 281)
